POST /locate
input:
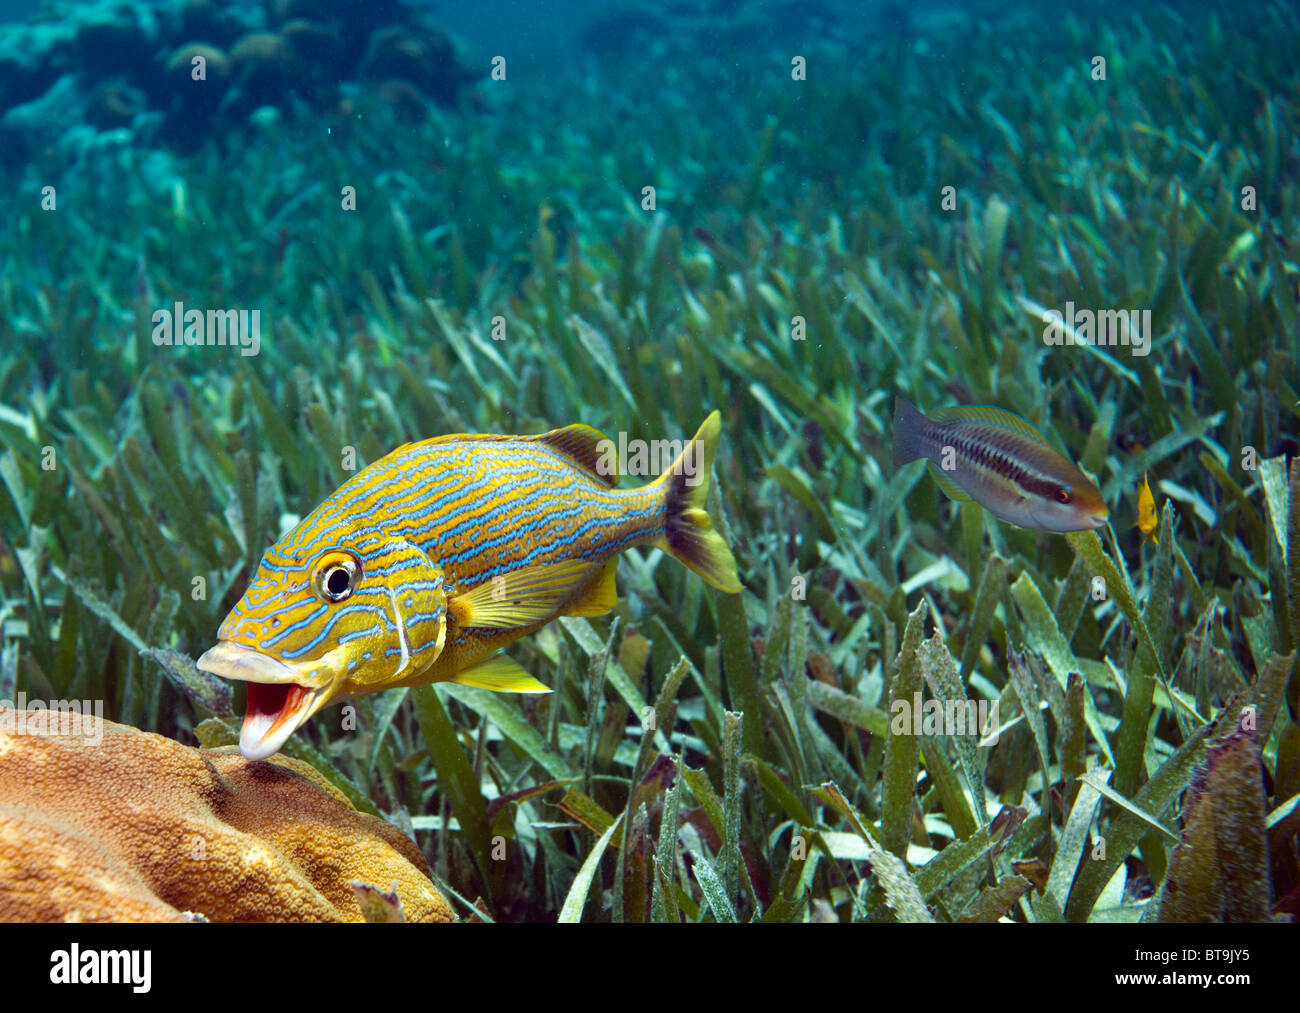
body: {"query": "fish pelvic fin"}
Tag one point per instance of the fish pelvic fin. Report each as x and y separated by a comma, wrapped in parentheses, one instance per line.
(909, 424)
(689, 534)
(501, 674)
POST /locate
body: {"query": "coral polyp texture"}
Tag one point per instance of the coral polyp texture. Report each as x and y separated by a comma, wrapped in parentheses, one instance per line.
(175, 72)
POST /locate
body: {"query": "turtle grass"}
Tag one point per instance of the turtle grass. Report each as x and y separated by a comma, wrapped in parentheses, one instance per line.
(705, 756)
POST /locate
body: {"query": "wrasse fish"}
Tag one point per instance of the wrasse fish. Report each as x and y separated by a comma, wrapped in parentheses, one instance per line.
(421, 567)
(1001, 462)
(1148, 518)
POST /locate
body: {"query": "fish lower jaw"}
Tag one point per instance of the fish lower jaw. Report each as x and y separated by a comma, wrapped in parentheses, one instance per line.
(273, 713)
(1087, 523)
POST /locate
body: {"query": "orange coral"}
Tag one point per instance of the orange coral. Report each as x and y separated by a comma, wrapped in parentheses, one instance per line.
(137, 827)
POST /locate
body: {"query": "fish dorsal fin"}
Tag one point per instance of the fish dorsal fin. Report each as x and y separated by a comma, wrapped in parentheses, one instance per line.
(988, 415)
(521, 598)
(588, 448)
(950, 487)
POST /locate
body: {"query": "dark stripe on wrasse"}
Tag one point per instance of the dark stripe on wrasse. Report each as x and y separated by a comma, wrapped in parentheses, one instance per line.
(986, 451)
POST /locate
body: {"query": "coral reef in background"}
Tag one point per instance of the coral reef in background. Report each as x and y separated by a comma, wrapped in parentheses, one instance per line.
(181, 72)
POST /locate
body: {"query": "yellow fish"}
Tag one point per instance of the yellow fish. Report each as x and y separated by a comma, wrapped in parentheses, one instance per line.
(421, 567)
(1148, 517)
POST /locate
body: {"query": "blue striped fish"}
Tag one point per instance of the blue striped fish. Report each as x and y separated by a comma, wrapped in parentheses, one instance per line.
(424, 565)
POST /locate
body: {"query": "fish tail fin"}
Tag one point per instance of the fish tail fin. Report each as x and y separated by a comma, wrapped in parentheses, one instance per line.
(689, 535)
(909, 424)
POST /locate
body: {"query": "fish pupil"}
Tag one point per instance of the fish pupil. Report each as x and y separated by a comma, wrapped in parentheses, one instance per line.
(337, 583)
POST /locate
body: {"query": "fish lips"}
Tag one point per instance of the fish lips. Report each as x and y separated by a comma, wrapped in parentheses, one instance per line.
(1051, 516)
(1095, 514)
(278, 700)
(1078, 522)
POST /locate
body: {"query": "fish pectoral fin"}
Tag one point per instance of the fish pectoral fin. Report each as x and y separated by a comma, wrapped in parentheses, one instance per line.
(950, 488)
(522, 598)
(502, 674)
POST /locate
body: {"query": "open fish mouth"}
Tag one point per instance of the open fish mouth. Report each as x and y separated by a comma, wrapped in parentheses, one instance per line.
(278, 700)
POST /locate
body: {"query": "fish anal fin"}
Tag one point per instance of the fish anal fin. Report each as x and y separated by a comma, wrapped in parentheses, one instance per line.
(523, 597)
(950, 488)
(501, 674)
(601, 597)
(588, 448)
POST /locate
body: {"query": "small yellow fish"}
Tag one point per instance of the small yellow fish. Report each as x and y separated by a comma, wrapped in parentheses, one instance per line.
(1148, 516)
(1001, 462)
(424, 565)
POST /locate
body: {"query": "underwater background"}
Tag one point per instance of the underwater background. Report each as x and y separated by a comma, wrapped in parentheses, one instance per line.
(510, 217)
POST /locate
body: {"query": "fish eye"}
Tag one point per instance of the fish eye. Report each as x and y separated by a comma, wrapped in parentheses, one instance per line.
(335, 576)
(1063, 494)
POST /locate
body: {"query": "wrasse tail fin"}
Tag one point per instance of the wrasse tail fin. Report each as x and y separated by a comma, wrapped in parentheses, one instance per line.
(501, 674)
(690, 536)
(524, 597)
(909, 424)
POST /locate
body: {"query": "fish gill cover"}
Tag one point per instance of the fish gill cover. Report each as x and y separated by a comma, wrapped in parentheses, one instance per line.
(250, 250)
